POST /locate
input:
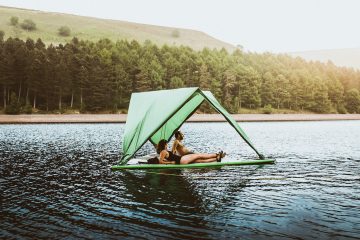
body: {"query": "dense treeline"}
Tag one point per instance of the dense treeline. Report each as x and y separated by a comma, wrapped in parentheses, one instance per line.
(93, 76)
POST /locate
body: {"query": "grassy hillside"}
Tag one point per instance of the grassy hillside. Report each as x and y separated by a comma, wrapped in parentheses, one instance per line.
(349, 57)
(94, 29)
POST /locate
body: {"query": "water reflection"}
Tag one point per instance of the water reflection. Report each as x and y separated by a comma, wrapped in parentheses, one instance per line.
(56, 183)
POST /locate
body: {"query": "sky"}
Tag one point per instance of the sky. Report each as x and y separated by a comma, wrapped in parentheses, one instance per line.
(257, 25)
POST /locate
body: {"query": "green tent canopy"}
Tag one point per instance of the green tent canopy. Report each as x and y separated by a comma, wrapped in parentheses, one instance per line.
(157, 115)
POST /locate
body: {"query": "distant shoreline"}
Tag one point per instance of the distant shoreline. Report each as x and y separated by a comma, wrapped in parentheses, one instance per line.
(121, 118)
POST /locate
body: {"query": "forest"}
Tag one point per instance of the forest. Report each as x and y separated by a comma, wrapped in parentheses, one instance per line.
(100, 76)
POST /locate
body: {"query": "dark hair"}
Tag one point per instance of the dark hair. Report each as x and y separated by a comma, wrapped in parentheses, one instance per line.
(178, 134)
(161, 145)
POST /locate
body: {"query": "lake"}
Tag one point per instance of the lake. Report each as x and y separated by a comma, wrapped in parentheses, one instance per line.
(56, 182)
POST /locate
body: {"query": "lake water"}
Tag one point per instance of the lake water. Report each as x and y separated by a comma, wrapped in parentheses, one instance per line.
(55, 182)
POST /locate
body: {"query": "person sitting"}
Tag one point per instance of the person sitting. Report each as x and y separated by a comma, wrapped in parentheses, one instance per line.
(178, 147)
(167, 157)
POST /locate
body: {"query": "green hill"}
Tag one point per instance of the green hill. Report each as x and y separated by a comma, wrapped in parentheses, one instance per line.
(93, 29)
(347, 57)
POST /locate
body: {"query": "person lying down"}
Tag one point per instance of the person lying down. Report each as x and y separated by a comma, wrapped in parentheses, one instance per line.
(168, 157)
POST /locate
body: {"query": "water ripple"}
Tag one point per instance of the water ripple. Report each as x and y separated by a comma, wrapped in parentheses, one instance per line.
(56, 183)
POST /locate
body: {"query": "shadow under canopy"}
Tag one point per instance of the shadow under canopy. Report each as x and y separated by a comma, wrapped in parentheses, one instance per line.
(156, 115)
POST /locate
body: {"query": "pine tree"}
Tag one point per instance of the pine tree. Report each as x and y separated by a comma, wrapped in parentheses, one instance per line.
(14, 105)
(228, 84)
(281, 94)
(36, 74)
(82, 83)
(335, 91)
(20, 68)
(267, 89)
(321, 99)
(123, 86)
(2, 34)
(102, 75)
(62, 83)
(352, 101)
(176, 82)
(204, 77)
(7, 70)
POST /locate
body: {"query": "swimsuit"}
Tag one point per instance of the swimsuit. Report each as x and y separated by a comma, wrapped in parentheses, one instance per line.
(174, 158)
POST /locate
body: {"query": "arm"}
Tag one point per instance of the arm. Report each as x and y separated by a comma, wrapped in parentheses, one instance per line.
(162, 157)
(174, 146)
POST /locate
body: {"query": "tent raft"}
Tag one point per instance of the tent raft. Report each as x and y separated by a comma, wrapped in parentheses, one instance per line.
(156, 115)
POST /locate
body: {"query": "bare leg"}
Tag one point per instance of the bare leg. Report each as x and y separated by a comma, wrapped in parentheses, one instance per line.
(197, 156)
(204, 155)
(205, 160)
